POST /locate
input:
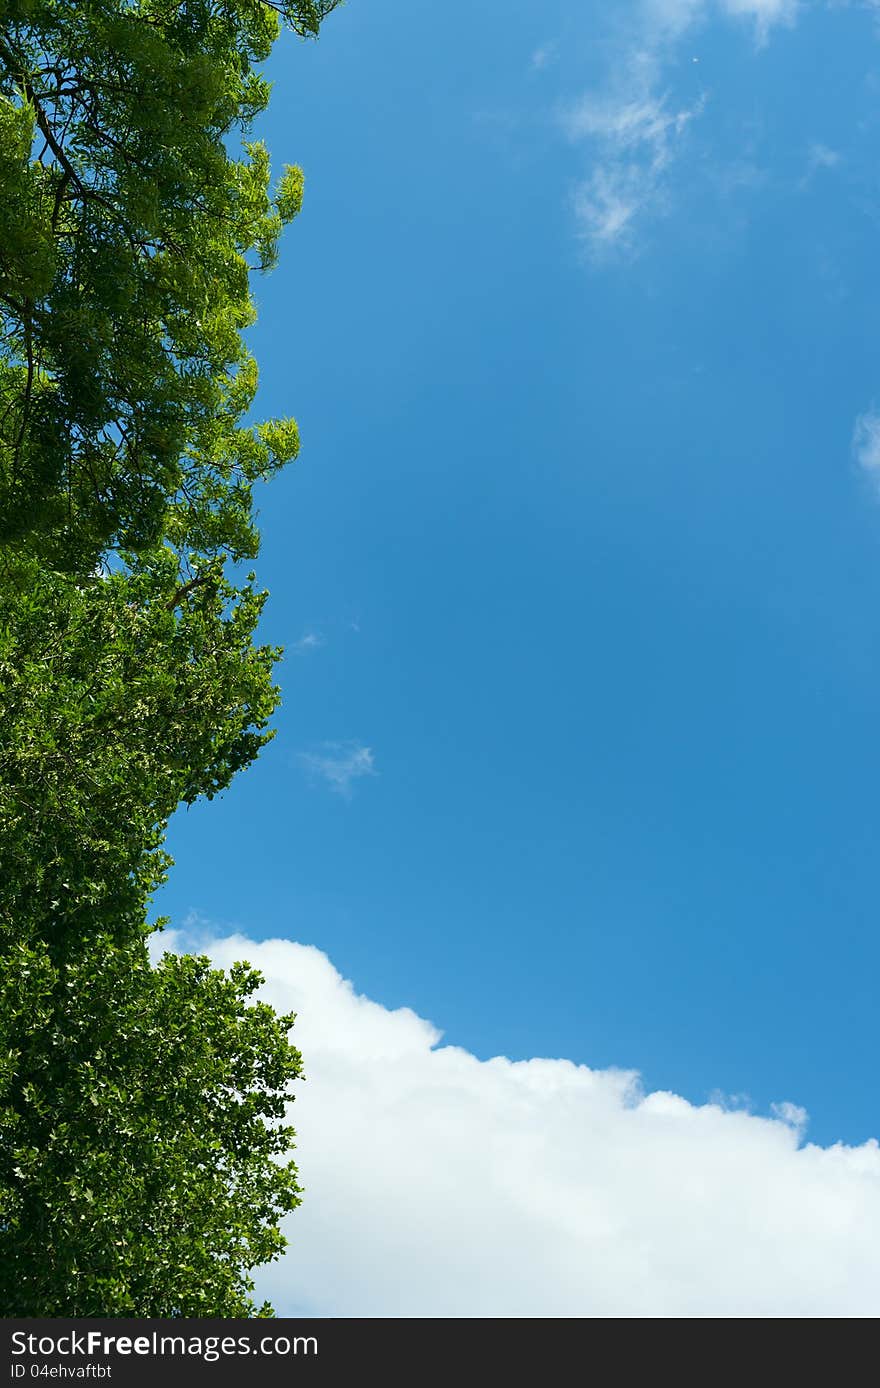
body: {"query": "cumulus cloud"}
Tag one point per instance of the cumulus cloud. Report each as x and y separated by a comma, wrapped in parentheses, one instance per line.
(438, 1184)
(340, 764)
(634, 132)
(866, 444)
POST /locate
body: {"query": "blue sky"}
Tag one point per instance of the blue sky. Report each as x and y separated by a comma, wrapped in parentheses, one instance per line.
(579, 570)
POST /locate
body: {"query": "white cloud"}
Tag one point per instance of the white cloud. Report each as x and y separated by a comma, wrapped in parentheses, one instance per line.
(674, 17)
(543, 56)
(866, 444)
(765, 13)
(628, 124)
(309, 642)
(819, 157)
(637, 139)
(441, 1185)
(340, 764)
(606, 203)
(659, 20)
(633, 131)
(822, 156)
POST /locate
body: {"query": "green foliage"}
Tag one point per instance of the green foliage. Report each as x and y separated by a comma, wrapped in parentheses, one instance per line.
(143, 1150)
(127, 234)
(142, 1143)
(114, 708)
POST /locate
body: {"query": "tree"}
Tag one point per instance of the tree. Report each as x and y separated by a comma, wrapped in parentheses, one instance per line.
(114, 709)
(141, 1108)
(127, 234)
(144, 1158)
(129, 681)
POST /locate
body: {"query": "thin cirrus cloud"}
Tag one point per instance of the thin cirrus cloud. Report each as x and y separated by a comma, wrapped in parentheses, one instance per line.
(866, 445)
(764, 13)
(438, 1184)
(633, 130)
(637, 139)
(339, 765)
(820, 158)
(823, 157)
(542, 57)
(310, 641)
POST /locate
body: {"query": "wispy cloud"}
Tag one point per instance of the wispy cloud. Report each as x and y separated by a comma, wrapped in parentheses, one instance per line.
(543, 57)
(822, 156)
(634, 130)
(309, 642)
(340, 764)
(764, 13)
(540, 1187)
(819, 158)
(866, 445)
(636, 138)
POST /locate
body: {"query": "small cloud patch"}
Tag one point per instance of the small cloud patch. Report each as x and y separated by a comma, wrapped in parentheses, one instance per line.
(866, 444)
(339, 765)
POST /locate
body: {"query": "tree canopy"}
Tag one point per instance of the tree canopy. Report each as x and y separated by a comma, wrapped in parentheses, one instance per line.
(127, 233)
(114, 709)
(142, 1137)
(144, 1157)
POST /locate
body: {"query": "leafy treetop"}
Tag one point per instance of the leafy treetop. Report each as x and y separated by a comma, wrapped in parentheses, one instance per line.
(115, 707)
(144, 1153)
(127, 234)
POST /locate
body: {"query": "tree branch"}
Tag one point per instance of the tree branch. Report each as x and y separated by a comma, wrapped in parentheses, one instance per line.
(187, 588)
